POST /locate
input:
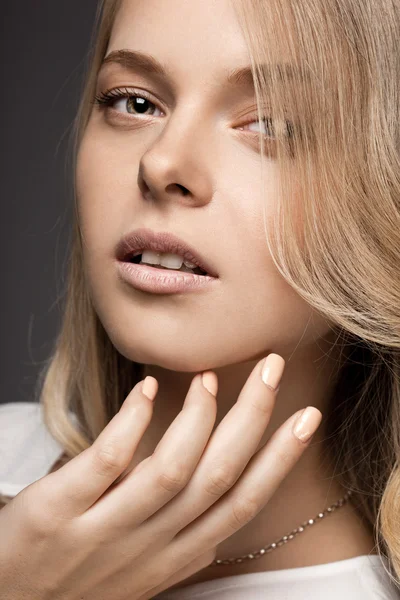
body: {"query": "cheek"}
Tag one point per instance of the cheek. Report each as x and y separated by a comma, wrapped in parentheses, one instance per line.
(89, 178)
(105, 206)
(94, 176)
(260, 301)
(260, 306)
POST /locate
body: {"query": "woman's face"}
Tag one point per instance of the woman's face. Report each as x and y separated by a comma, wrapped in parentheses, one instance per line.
(199, 132)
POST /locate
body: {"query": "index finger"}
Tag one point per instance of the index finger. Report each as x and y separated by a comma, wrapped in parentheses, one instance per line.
(83, 480)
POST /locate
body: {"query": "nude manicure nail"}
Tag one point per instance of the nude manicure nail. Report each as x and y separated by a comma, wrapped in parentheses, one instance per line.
(149, 387)
(210, 382)
(308, 422)
(272, 371)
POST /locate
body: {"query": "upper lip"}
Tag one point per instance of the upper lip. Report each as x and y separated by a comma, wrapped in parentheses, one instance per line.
(163, 241)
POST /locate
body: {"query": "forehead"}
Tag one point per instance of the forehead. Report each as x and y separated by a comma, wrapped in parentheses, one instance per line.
(181, 42)
(189, 37)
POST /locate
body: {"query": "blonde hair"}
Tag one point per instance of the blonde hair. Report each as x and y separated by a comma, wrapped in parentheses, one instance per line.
(334, 237)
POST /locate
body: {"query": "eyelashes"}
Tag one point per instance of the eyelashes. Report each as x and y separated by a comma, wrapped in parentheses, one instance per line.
(106, 100)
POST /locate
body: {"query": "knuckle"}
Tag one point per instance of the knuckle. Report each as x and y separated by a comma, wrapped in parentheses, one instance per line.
(220, 479)
(244, 509)
(109, 458)
(173, 477)
(262, 407)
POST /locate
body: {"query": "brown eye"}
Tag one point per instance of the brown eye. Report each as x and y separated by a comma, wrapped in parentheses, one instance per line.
(135, 102)
(139, 104)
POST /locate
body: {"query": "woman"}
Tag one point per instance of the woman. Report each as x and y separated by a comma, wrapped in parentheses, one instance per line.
(254, 145)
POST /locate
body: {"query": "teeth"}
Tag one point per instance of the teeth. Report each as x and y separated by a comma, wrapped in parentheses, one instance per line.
(189, 264)
(171, 261)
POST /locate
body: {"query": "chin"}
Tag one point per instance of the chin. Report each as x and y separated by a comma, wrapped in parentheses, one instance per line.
(182, 362)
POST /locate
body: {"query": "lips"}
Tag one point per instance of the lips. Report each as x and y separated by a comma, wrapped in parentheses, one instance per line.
(146, 239)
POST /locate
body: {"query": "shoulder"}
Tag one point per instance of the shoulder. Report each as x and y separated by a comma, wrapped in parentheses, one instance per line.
(27, 449)
(12, 413)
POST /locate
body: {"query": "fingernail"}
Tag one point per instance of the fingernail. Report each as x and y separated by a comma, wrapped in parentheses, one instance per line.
(272, 371)
(210, 382)
(149, 387)
(307, 423)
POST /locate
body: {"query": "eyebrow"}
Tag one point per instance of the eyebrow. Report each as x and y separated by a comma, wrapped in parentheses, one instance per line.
(133, 59)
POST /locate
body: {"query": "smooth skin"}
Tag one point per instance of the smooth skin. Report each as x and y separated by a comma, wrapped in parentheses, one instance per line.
(98, 538)
(187, 161)
(78, 530)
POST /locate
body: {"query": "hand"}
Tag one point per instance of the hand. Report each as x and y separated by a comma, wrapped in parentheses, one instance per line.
(77, 533)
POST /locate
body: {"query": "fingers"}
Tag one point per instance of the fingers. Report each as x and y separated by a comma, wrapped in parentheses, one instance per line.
(81, 482)
(167, 471)
(252, 492)
(229, 450)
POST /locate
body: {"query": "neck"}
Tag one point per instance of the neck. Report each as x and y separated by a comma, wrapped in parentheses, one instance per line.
(309, 379)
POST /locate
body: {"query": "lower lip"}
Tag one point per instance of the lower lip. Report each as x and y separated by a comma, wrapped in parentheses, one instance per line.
(162, 281)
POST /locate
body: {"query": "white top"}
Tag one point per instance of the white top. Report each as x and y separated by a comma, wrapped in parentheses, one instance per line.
(27, 452)
(359, 578)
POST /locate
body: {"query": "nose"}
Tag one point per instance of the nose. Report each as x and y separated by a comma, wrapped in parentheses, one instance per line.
(173, 170)
(151, 187)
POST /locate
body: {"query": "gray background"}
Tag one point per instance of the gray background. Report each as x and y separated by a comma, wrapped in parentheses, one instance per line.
(43, 48)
